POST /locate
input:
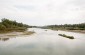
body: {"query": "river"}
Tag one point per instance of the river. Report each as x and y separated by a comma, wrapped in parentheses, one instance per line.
(44, 42)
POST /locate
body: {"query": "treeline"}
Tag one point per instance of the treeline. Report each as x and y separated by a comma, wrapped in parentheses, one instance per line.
(9, 25)
(67, 26)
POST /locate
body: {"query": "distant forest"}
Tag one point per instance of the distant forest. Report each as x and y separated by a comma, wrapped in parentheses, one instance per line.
(9, 25)
(67, 26)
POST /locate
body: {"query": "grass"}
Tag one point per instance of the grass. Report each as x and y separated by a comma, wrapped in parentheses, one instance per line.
(63, 35)
(8, 30)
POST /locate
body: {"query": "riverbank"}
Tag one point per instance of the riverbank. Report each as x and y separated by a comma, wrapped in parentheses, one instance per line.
(78, 31)
(14, 34)
(8, 30)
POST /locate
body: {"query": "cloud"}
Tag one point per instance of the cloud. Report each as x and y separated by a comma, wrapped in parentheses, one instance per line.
(44, 12)
(29, 8)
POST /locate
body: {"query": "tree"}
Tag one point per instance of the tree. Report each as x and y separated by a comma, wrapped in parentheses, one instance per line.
(2, 27)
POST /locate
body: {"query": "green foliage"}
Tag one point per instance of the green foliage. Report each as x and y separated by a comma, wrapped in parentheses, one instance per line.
(7, 24)
(2, 27)
(68, 26)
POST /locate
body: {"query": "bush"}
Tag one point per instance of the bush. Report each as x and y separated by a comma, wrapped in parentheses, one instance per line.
(63, 35)
(2, 27)
(9, 25)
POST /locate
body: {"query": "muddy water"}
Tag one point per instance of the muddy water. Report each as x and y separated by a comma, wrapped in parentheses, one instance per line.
(43, 42)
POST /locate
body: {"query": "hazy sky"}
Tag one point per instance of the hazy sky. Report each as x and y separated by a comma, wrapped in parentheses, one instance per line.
(43, 12)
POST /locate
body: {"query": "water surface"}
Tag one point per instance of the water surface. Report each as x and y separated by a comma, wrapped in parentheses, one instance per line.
(43, 43)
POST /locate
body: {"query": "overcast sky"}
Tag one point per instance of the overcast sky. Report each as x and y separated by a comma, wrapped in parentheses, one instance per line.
(43, 12)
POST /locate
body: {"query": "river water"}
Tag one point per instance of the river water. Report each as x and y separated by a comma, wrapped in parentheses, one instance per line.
(44, 42)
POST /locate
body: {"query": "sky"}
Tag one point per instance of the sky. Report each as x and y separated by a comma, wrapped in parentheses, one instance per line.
(43, 12)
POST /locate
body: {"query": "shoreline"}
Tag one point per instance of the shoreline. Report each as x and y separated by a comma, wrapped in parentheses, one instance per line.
(15, 34)
(76, 31)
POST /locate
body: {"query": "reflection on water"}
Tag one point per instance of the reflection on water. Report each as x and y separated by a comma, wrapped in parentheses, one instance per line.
(4, 39)
(44, 43)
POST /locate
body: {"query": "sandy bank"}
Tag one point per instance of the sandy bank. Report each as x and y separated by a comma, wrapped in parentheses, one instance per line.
(14, 34)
